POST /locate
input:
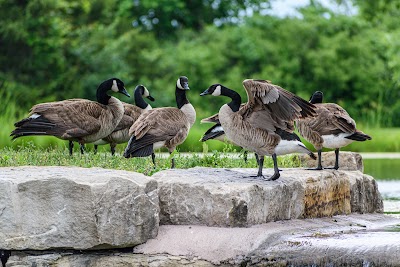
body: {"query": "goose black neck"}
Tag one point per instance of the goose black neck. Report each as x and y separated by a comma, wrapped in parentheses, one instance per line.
(236, 99)
(101, 94)
(180, 97)
(139, 101)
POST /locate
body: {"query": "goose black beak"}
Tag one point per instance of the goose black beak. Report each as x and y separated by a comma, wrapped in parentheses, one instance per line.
(206, 92)
(150, 98)
(186, 86)
(124, 92)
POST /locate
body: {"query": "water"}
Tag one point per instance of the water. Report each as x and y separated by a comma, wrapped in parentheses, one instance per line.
(385, 168)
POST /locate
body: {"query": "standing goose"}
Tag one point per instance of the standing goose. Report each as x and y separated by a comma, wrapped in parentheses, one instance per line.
(290, 142)
(78, 120)
(332, 128)
(161, 127)
(258, 125)
(131, 114)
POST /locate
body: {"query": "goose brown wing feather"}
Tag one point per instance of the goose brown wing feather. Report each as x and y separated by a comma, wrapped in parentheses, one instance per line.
(80, 117)
(282, 103)
(131, 114)
(160, 122)
(332, 120)
(259, 116)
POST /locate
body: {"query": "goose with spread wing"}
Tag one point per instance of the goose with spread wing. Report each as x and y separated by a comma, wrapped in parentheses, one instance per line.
(290, 142)
(258, 125)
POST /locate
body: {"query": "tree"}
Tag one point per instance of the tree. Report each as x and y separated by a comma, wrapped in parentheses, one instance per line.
(165, 18)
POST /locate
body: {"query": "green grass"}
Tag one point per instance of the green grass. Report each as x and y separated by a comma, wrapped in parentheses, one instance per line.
(29, 154)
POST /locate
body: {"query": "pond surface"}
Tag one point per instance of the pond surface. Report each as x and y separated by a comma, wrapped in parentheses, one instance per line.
(385, 168)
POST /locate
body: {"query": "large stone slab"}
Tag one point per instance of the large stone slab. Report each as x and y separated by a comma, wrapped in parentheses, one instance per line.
(230, 197)
(79, 208)
(353, 240)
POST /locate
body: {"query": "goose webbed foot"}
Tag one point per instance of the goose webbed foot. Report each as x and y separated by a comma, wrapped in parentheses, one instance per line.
(274, 177)
(262, 177)
(276, 174)
(315, 169)
(332, 168)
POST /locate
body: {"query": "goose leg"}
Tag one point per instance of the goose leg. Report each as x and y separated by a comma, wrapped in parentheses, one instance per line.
(319, 167)
(82, 146)
(112, 147)
(276, 174)
(172, 162)
(70, 147)
(255, 154)
(260, 166)
(336, 160)
(245, 156)
(95, 149)
(153, 158)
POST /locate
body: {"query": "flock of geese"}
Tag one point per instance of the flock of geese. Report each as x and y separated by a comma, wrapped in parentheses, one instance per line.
(264, 124)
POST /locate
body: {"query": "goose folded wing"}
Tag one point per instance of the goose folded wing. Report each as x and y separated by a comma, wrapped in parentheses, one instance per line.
(328, 123)
(282, 103)
(159, 122)
(76, 120)
(124, 123)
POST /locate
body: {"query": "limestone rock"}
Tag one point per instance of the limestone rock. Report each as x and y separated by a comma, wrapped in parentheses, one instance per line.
(79, 208)
(353, 240)
(103, 259)
(348, 161)
(230, 197)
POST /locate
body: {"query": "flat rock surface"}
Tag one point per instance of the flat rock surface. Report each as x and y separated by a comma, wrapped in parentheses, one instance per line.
(231, 197)
(353, 240)
(79, 208)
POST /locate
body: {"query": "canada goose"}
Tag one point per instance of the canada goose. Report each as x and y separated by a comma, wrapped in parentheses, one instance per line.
(160, 127)
(132, 112)
(287, 145)
(257, 125)
(332, 128)
(78, 120)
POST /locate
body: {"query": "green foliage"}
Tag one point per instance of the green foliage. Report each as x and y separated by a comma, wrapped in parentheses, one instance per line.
(166, 18)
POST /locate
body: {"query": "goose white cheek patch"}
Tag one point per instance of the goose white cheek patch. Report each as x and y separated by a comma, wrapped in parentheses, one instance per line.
(217, 91)
(178, 84)
(146, 92)
(114, 87)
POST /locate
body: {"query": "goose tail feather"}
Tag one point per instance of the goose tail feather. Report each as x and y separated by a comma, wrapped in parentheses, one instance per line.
(359, 136)
(32, 126)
